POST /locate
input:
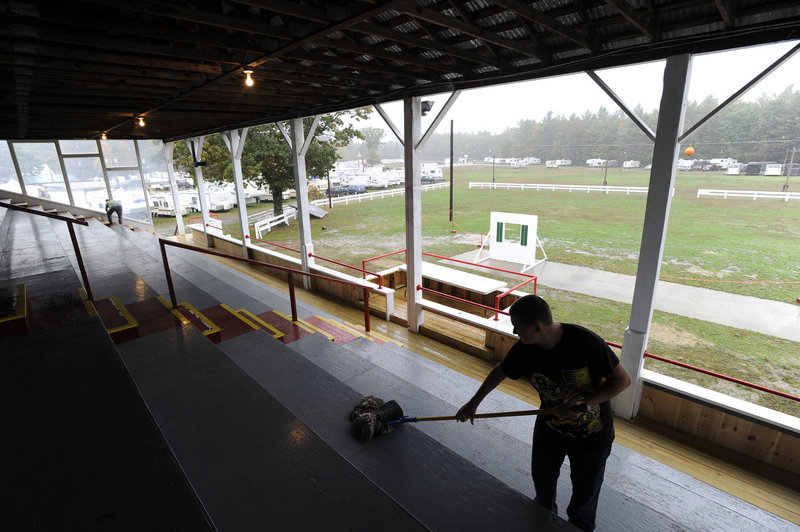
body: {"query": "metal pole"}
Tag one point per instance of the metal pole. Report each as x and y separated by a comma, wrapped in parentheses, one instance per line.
(451, 171)
(330, 200)
(170, 286)
(366, 309)
(80, 262)
(292, 298)
(789, 172)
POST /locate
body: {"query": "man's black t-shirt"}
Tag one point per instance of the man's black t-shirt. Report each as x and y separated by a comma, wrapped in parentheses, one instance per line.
(576, 365)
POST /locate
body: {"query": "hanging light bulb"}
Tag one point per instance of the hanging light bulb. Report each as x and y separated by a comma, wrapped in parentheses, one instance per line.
(248, 81)
(141, 121)
(103, 136)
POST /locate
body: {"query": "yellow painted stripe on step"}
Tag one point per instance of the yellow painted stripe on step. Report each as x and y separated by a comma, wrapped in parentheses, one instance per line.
(317, 330)
(175, 312)
(240, 317)
(86, 303)
(304, 325)
(212, 327)
(376, 334)
(385, 338)
(275, 332)
(20, 304)
(115, 300)
(346, 327)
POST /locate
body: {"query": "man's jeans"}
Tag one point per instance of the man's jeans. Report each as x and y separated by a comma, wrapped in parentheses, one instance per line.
(586, 471)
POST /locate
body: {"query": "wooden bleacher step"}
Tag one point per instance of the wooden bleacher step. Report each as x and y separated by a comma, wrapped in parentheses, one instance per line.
(155, 315)
(340, 334)
(203, 323)
(116, 318)
(292, 330)
(345, 332)
(260, 323)
(375, 336)
(230, 323)
(13, 310)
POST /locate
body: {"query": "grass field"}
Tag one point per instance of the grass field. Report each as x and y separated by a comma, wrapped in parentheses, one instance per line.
(736, 245)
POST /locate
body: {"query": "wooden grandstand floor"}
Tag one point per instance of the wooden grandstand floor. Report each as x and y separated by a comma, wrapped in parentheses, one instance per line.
(771, 490)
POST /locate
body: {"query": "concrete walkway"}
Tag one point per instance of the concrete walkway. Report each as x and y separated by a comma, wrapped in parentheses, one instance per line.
(769, 317)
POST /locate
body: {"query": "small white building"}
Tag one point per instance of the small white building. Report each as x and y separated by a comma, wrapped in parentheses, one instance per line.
(631, 164)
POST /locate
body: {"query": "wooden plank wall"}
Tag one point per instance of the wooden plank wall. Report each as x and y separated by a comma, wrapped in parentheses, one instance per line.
(749, 437)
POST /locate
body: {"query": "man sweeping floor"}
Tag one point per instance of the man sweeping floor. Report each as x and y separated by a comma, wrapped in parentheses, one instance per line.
(568, 365)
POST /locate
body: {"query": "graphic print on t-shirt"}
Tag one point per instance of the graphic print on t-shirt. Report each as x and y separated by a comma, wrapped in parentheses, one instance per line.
(554, 393)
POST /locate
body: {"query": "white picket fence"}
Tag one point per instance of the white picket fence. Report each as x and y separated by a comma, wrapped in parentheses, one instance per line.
(748, 194)
(568, 188)
(288, 215)
(369, 196)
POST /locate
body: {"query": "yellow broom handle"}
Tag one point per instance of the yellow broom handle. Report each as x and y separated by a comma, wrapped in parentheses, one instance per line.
(495, 414)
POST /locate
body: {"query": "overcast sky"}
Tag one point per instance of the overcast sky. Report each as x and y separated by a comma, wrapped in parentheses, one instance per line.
(496, 108)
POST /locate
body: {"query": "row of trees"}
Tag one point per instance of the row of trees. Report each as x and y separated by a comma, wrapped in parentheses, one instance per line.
(267, 157)
(763, 130)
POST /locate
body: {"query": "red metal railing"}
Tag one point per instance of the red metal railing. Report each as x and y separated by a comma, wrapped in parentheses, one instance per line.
(480, 265)
(211, 215)
(289, 271)
(365, 261)
(70, 223)
(362, 270)
(272, 244)
(499, 297)
(461, 300)
(716, 375)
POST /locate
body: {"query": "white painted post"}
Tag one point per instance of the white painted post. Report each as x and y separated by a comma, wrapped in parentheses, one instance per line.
(196, 149)
(234, 140)
(169, 150)
(299, 144)
(413, 168)
(662, 178)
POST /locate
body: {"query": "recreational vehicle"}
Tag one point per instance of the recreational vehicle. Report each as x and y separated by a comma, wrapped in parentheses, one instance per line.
(432, 172)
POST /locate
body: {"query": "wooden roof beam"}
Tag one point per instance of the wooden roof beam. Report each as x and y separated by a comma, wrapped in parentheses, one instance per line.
(640, 22)
(197, 16)
(727, 10)
(477, 32)
(439, 46)
(523, 10)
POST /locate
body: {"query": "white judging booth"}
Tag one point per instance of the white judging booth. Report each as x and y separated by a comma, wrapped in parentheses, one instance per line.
(512, 238)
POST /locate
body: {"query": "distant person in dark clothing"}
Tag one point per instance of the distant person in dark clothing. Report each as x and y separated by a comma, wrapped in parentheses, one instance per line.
(568, 365)
(113, 206)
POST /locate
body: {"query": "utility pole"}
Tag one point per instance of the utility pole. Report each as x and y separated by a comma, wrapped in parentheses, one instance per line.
(789, 172)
